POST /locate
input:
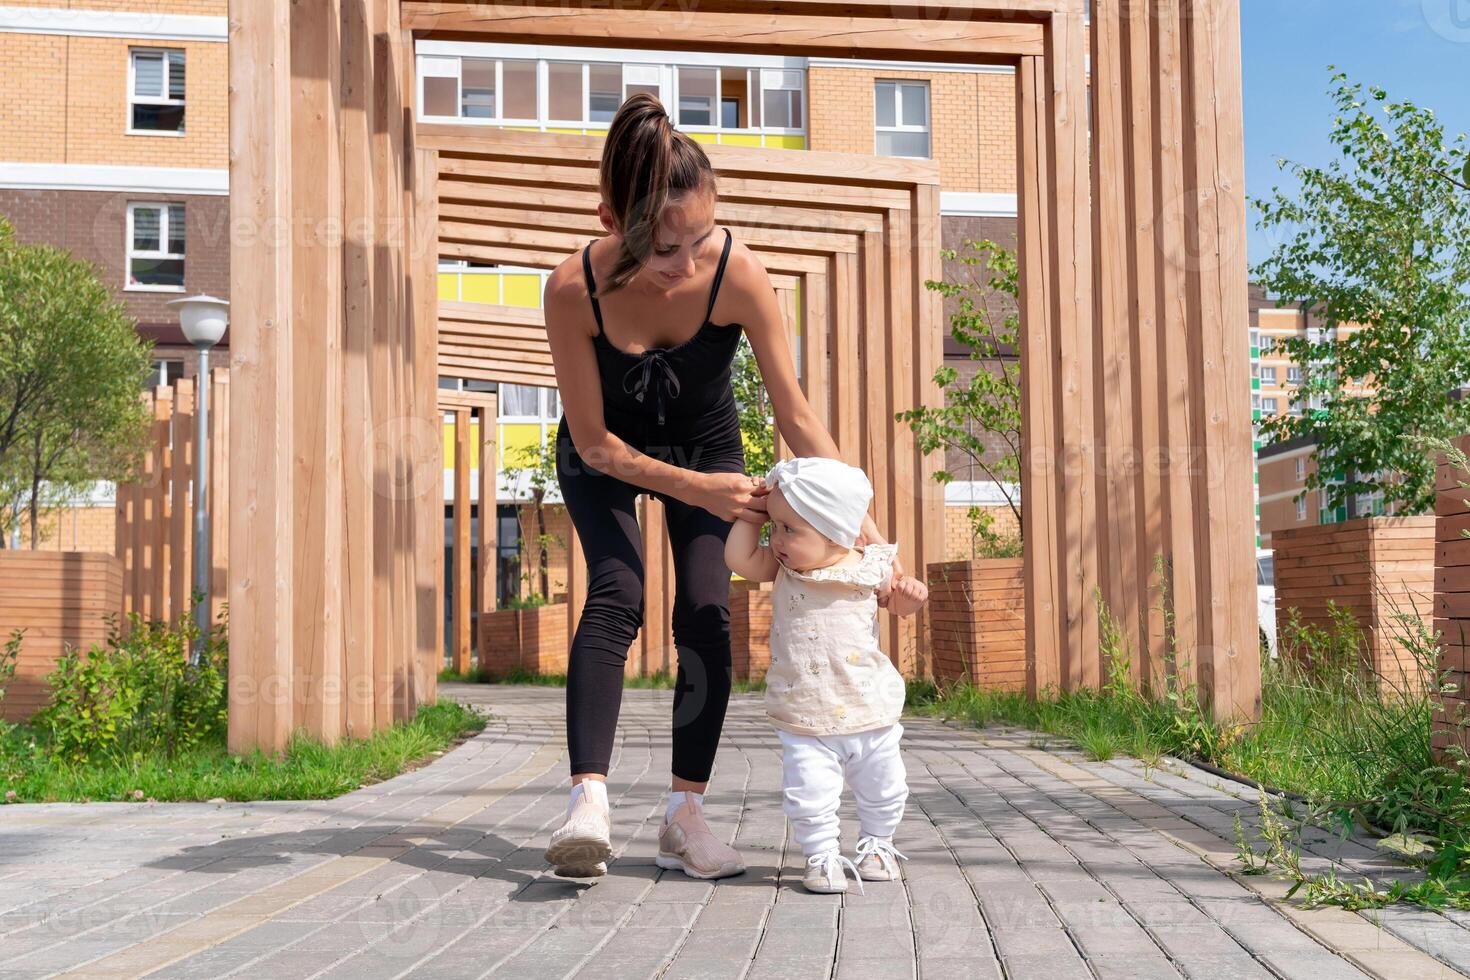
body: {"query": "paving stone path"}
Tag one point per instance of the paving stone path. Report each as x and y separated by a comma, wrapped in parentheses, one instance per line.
(1024, 861)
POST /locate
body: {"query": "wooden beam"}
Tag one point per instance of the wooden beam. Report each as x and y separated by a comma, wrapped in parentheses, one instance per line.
(697, 29)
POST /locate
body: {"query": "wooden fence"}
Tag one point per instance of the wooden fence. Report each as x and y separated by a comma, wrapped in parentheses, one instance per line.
(155, 514)
(1452, 601)
(60, 599)
(1378, 568)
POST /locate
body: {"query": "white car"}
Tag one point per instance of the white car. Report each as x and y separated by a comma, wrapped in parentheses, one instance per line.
(1266, 596)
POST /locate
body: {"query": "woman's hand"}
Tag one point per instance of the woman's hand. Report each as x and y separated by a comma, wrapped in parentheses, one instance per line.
(731, 496)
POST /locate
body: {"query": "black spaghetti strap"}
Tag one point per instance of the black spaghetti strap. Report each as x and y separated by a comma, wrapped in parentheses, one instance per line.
(719, 276)
(592, 287)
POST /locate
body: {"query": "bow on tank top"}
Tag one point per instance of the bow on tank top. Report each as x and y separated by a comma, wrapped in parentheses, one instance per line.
(683, 390)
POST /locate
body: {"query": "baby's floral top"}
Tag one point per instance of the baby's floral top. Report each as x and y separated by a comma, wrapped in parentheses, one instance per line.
(828, 676)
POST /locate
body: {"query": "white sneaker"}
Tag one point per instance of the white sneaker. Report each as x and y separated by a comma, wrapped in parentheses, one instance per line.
(826, 873)
(582, 845)
(878, 860)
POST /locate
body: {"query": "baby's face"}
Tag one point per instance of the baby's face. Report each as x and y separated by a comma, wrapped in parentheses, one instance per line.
(795, 542)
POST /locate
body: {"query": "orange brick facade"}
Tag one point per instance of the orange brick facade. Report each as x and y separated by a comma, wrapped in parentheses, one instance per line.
(68, 103)
(972, 129)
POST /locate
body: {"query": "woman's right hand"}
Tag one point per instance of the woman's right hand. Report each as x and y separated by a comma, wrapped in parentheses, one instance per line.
(731, 496)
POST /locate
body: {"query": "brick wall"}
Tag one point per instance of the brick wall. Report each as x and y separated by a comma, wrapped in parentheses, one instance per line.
(74, 529)
(67, 102)
(972, 129)
(92, 226)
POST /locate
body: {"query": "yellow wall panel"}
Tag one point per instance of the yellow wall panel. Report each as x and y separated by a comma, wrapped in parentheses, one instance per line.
(449, 445)
(522, 289)
(740, 139)
(481, 288)
(449, 285)
(778, 141)
(515, 437)
(705, 137)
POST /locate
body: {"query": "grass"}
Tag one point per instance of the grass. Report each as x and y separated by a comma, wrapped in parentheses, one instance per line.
(662, 680)
(308, 769)
(1353, 745)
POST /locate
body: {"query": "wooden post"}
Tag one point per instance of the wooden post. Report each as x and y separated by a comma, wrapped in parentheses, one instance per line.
(489, 468)
(461, 542)
(262, 518)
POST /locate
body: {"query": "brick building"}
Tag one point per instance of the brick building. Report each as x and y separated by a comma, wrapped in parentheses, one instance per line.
(115, 146)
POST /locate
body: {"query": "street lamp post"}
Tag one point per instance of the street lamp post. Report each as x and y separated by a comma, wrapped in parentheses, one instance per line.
(203, 319)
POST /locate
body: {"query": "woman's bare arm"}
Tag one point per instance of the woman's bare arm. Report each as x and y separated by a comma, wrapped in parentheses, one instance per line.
(570, 327)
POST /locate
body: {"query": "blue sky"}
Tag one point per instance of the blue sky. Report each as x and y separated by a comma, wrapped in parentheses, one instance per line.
(1418, 50)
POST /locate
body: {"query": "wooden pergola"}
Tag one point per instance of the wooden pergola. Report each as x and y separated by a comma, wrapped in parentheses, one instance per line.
(1138, 450)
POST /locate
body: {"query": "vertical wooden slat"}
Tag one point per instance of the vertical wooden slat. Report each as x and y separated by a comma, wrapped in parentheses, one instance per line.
(929, 332)
(155, 596)
(1071, 247)
(428, 489)
(316, 371)
(489, 529)
(847, 392)
(1144, 338)
(1041, 497)
(1177, 383)
(900, 525)
(261, 318)
(1229, 653)
(219, 492)
(181, 513)
(460, 590)
(358, 622)
(1114, 363)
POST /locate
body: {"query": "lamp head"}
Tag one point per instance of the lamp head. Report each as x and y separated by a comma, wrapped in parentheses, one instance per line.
(203, 319)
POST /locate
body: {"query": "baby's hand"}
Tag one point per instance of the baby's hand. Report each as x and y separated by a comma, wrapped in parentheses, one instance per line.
(907, 595)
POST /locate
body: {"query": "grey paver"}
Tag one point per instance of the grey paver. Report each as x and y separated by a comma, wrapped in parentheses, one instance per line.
(1013, 870)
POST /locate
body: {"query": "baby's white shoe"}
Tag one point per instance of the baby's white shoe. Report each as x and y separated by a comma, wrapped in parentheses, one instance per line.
(826, 873)
(877, 859)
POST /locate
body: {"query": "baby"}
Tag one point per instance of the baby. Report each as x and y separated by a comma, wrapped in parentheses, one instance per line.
(832, 694)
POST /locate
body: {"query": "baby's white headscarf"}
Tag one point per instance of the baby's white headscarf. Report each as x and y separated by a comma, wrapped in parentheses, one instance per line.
(829, 495)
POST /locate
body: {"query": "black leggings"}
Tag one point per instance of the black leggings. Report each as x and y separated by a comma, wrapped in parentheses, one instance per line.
(601, 508)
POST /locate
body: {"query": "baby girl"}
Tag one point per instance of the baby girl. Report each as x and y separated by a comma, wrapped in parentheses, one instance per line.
(832, 694)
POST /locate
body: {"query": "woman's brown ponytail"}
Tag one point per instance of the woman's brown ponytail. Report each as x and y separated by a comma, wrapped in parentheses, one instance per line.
(645, 161)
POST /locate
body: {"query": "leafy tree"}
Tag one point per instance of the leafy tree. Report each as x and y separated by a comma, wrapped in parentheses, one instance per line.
(1377, 237)
(981, 416)
(71, 368)
(538, 463)
(755, 411)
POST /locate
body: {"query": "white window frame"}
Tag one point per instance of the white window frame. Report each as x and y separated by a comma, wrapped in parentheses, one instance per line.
(1301, 468)
(927, 129)
(1293, 375)
(1301, 507)
(1272, 408)
(135, 99)
(130, 253)
(1268, 376)
(762, 73)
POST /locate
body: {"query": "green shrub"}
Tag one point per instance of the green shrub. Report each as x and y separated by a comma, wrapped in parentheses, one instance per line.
(137, 694)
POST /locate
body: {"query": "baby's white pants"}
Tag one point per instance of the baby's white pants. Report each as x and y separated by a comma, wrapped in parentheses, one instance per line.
(814, 767)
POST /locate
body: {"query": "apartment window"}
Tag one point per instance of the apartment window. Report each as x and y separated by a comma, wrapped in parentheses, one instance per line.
(781, 102)
(1294, 375)
(1267, 345)
(156, 90)
(525, 403)
(1301, 508)
(1255, 338)
(1268, 375)
(477, 89)
(1268, 405)
(901, 111)
(697, 96)
(156, 247)
(1301, 468)
(604, 92)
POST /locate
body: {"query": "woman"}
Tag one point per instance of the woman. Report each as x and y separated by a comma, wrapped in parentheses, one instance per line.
(643, 327)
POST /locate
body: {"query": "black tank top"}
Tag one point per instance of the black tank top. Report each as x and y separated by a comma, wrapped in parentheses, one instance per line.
(680, 389)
